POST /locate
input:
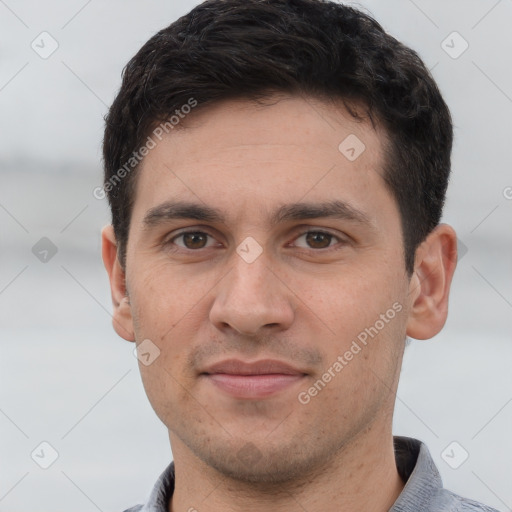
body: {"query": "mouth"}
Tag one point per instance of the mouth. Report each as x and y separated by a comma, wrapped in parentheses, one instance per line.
(254, 380)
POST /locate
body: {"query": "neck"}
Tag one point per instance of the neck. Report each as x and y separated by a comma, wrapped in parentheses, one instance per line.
(362, 476)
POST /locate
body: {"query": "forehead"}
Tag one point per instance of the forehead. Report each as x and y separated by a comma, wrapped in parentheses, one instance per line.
(281, 120)
(258, 155)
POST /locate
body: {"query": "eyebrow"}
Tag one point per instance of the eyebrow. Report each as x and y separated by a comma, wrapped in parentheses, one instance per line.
(171, 210)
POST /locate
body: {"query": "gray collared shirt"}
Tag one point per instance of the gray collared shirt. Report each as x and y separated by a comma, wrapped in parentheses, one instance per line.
(423, 491)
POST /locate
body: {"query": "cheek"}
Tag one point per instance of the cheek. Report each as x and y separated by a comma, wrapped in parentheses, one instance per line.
(348, 302)
(163, 299)
(168, 309)
(364, 319)
(163, 388)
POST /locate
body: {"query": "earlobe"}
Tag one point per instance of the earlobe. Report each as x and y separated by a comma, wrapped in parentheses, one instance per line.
(122, 317)
(436, 259)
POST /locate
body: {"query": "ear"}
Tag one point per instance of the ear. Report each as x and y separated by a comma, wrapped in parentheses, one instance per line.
(429, 288)
(122, 316)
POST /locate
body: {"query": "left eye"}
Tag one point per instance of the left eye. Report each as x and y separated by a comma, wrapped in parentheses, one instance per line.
(317, 239)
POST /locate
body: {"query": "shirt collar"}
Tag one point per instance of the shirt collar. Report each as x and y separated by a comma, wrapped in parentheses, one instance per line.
(414, 464)
(416, 467)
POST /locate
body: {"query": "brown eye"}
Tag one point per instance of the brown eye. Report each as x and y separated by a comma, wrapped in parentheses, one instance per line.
(318, 240)
(195, 240)
(191, 240)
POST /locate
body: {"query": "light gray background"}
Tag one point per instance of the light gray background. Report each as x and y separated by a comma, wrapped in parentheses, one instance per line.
(67, 379)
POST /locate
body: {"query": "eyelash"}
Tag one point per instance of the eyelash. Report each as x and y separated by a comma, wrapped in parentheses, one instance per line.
(315, 231)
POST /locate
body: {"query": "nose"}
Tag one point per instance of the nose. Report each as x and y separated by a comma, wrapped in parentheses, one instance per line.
(252, 298)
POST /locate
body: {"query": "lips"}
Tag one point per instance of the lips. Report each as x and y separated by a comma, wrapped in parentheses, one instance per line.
(252, 380)
(262, 367)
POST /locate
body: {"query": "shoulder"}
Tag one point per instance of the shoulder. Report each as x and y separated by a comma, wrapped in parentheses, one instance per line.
(449, 501)
(424, 489)
(160, 496)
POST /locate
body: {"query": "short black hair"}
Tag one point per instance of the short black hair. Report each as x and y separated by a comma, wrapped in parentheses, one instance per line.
(251, 49)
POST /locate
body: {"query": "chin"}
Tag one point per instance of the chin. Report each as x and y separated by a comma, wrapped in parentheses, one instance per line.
(266, 471)
(263, 465)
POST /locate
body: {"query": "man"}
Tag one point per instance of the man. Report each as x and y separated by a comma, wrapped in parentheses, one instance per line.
(276, 171)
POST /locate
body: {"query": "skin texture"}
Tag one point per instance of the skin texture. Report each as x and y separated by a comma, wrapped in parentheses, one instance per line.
(303, 301)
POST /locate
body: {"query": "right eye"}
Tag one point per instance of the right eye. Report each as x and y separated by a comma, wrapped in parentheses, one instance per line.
(191, 240)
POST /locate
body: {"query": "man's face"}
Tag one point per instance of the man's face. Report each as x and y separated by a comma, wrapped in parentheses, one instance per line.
(297, 289)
